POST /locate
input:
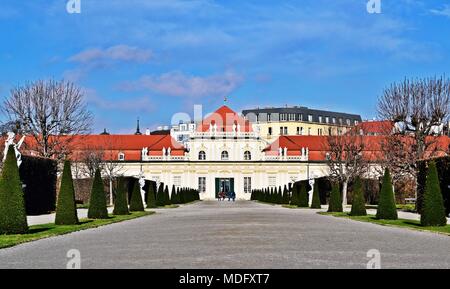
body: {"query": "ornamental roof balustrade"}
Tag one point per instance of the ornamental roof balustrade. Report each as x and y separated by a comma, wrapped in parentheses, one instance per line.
(223, 134)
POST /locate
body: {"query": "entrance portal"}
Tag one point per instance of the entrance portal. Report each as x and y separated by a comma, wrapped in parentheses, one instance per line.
(224, 185)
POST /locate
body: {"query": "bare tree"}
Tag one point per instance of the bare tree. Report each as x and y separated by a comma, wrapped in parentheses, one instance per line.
(346, 159)
(419, 110)
(51, 112)
(111, 166)
(91, 159)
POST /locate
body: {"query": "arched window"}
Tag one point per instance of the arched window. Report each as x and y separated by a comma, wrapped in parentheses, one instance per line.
(224, 156)
(121, 156)
(247, 156)
(202, 155)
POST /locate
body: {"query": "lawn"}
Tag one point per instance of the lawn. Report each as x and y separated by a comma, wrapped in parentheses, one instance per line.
(403, 223)
(37, 232)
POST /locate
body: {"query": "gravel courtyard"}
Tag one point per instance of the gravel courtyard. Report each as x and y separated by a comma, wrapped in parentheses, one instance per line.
(244, 234)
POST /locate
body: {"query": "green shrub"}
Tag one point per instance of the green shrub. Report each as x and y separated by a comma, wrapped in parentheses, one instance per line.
(13, 218)
(315, 204)
(386, 204)
(66, 209)
(97, 203)
(295, 196)
(286, 196)
(433, 211)
(166, 196)
(358, 204)
(335, 199)
(121, 201)
(303, 196)
(160, 199)
(151, 200)
(136, 204)
(174, 196)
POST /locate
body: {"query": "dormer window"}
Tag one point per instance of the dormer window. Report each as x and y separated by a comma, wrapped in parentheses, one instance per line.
(202, 156)
(247, 156)
(121, 156)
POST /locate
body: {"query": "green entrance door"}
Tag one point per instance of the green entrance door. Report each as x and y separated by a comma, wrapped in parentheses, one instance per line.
(224, 185)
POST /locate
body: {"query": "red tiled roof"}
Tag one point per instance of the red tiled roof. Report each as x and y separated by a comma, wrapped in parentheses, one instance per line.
(318, 146)
(225, 118)
(381, 127)
(112, 145)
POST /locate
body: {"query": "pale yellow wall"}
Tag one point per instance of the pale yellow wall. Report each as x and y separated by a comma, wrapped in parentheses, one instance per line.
(292, 128)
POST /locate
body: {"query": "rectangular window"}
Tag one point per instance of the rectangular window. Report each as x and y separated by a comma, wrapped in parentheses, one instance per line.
(320, 118)
(270, 131)
(327, 119)
(247, 185)
(269, 117)
(202, 184)
(177, 181)
(283, 116)
(292, 117)
(285, 130)
(334, 120)
(348, 121)
(281, 130)
(272, 182)
(310, 117)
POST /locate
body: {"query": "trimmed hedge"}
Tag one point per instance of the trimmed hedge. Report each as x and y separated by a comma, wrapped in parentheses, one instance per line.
(39, 177)
(433, 211)
(121, 201)
(315, 204)
(304, 195)
(66, 209)
(151, 199)
(136, 204)
(358, 203)
(160, 199)
(443, 169)
(386, 205)
(335, 199)
(13, 218)
(97, 203)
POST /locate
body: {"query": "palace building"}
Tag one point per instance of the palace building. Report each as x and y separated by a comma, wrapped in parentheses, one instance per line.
(226, 151)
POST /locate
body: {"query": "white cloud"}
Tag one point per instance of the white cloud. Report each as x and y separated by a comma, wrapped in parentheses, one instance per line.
(116, 53)
(442, 12)
(179, 84)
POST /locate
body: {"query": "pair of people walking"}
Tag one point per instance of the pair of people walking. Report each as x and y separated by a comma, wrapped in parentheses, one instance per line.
(229, 195)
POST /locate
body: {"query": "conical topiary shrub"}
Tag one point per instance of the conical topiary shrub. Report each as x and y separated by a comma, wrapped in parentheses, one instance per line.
(335, 199)
(286, 196)
(97, 203)
(166, 196)
(160, 199)
(433, 210)
(136, 204)
(173, 196)
(294, 196)
(386, 204)
(303, 196)
(358, 203)
(121, 201)
(151, 200)
(66, 209)
(315, 204)
(13, 217)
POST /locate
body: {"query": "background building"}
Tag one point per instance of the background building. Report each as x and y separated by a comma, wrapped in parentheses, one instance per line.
(298, 120)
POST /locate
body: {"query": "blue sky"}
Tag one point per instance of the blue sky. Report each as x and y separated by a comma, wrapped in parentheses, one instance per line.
(153, 58)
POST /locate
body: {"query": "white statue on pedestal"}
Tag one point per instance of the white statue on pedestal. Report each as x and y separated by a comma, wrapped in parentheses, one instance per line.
(10, 141)
(141, 186)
